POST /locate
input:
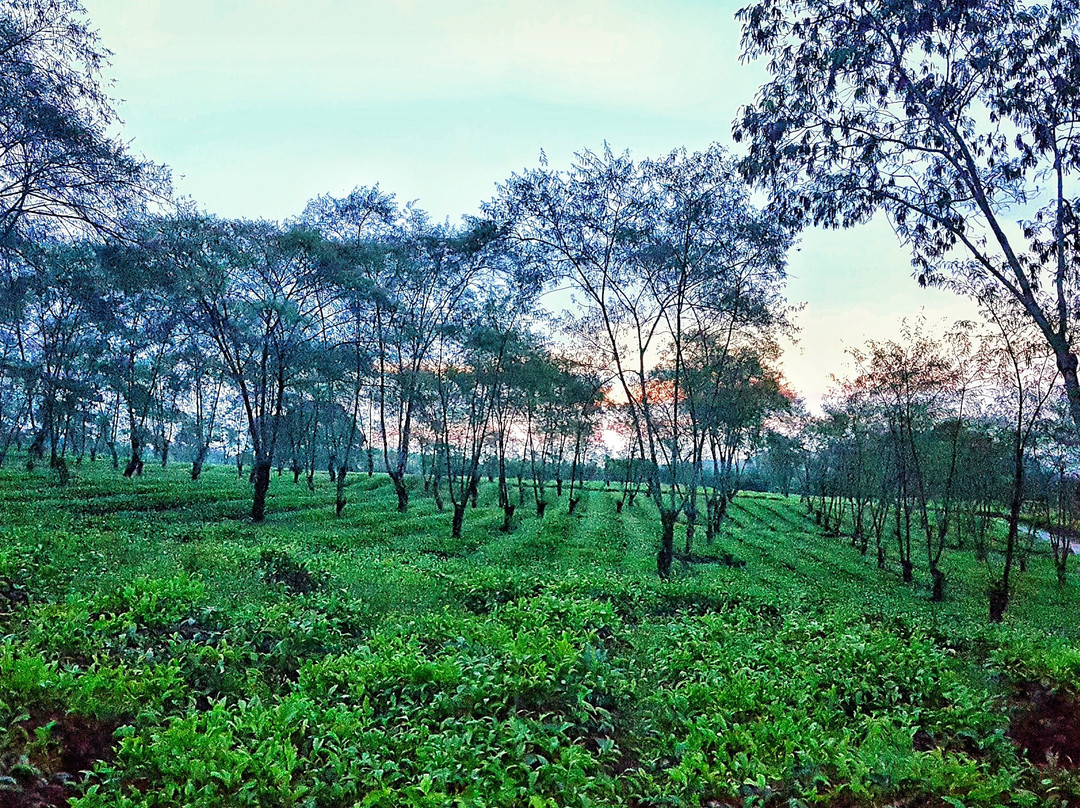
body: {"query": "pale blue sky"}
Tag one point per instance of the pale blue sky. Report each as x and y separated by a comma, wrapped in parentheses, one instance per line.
(259, 105)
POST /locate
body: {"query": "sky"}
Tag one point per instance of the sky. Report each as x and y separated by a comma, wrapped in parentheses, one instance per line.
(260, 105)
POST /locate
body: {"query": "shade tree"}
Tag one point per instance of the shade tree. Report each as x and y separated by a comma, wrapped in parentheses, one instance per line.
(64, 171)
(956, 120)
(617, 231)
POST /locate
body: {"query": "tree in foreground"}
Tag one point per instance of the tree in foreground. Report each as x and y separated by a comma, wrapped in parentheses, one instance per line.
(949, 117)
(61, 172)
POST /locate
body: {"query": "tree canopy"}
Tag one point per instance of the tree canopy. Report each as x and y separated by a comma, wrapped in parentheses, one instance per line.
(958, 120)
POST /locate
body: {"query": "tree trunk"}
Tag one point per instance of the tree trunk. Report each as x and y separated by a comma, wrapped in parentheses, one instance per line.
(906, 568)
(937, 594)
(459, 518)
(573, 504)
(165, 453)
(262, 485)
(59, 465)
(134, 464)
(37, 448)
(667, 542)
(435, 492)
(508, 517)
(618, 506)
(691, 524)
(1067, 364)
(999, 602)
(1001, 591)
(541, 506)
(339, 502)
(402, 492)
(197, 465)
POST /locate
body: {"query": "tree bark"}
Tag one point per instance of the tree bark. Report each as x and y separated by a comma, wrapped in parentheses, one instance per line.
(134, 465)
(262, 485)
(508, 517)
(340, 501)
(999, 602)
(459, 518)
(937, 594)
(401, 490)
(691, 524)
(1067, 365)
(197, 465)
(667, 542)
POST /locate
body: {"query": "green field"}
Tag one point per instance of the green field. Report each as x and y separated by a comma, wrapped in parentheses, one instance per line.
(190, 657)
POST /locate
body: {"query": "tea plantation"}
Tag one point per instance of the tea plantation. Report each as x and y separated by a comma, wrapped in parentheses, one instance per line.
(160, 650)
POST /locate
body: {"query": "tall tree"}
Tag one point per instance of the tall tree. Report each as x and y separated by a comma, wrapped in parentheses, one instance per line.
(647, 247)
(258, 292)
(950, 117)
(62, 170)
(1020, 366)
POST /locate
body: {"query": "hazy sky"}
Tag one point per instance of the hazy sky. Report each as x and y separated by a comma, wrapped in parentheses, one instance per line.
(259, 105)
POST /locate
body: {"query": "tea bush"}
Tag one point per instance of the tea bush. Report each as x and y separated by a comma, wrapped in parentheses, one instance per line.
(373, 661)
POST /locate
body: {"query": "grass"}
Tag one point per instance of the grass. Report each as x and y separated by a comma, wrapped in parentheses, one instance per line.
(190, 657)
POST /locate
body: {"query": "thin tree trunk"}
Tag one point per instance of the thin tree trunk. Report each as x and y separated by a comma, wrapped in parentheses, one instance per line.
(340, 500)
(667, 542)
